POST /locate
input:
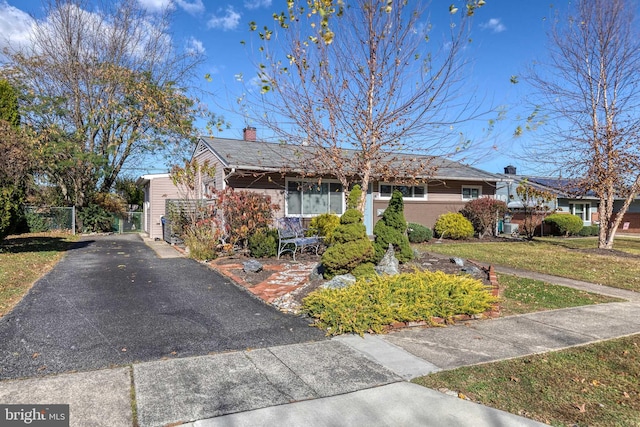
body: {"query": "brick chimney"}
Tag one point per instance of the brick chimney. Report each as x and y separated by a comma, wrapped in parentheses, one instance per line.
(249, 133)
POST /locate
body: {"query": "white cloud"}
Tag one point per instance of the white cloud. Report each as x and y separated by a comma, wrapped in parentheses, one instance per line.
(15, 26)
(195, 46)
(228, 21)
(494, 25)
(194, 7)
(255, 4)
(156, 5)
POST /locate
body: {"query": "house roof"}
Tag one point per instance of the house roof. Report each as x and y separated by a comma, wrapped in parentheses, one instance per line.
(265, 156)
(144, 179)
(561, 187)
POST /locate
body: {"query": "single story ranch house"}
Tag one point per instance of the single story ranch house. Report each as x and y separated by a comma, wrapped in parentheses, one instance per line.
(270, 169)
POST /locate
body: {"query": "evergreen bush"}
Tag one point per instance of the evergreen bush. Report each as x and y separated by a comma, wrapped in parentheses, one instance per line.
(564, 224)
(392, 229)
(36, 223)
(95, 219)
(377, 301)
(354, 197)
(453, 225)
(589, 230)
(324, 225)
(264, 243)
(350, 245)
(418, 233)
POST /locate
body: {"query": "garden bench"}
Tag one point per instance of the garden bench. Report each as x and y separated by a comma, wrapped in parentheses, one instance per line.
(291, 236)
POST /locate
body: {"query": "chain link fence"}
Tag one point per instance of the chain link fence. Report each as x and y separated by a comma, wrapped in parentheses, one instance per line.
(131, 222)
(41, 219)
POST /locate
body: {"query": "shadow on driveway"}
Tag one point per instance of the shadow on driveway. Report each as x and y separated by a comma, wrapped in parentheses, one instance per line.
(111, 301)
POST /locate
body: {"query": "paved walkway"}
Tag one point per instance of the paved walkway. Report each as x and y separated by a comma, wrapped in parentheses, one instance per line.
(346, 381)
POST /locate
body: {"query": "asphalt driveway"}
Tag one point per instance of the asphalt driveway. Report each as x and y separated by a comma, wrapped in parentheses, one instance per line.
(111, 301)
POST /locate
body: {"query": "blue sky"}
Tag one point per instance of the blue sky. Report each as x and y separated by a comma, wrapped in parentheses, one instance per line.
(507, 35)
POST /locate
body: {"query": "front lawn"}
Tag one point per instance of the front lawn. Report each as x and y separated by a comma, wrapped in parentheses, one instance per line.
(591, 385)
(573, 258)
(24, 259)
(520, 295)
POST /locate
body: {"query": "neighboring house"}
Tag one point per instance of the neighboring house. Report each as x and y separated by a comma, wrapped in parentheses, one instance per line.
(274, 170)
(158, 188)
(585, 206)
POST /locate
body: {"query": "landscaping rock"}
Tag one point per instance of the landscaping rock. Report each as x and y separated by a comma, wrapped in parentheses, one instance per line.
(457, 261)
(389, 264)
(473, 271)
(317, 272)
(252, 266)
(341, 281)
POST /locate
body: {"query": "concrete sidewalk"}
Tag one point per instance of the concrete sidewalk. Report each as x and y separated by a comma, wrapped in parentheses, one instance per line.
(316, 384)
(345, 381)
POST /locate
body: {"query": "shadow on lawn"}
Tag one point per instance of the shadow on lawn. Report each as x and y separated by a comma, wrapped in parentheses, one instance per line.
(40, 244)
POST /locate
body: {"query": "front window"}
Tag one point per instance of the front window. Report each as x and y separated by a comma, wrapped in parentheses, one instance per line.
(471, 193)
(408, 191)
(583, 210)
(309, 198)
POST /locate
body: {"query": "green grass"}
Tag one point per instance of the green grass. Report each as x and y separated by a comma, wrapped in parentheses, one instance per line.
(24, 259)
(623, 244)
(520, 295)
(592, 385)
(572, 258)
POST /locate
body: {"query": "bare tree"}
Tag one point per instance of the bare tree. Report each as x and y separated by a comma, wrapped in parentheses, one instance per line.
(354, 84)
(103, 87)
(589, 89)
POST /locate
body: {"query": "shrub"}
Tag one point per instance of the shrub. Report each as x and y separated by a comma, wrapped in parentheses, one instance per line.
(324, 225)
(350, 247)
(354, 197)
(589, 230)
(374, 303)
(36, 222)
(483, 214)
(110, 202)
(245, 212)
(564, 224)
(202, 238)
(365, 270)
(453, 226)
(264, 243)
(95, 219)
(392, 229)
(418, 233)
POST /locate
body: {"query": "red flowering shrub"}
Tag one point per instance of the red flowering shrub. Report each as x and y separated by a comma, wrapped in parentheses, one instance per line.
(244, 212)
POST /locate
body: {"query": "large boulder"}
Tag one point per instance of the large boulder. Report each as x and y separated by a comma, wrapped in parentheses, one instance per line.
(457, 261)
(317, 273)
(340, 281)
(389, 264)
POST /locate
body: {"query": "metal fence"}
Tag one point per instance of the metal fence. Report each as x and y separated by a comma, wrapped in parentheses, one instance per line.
(131, 222)
(178, 213)
(51, 218)
(64, 218)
